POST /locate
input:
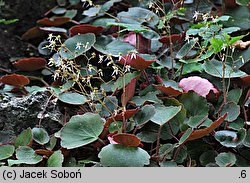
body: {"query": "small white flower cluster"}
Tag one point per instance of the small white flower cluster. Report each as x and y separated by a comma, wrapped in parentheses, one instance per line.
(204, 16)
(53, 42)
(80, 45)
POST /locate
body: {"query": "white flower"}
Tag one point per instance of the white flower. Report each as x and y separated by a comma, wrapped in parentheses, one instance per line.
(116, 70)
(51, 62)
(50, 37)
(196, 15)
(127, 68)
(78, 46)
(109, 63)
(134, 54)
(101, 58)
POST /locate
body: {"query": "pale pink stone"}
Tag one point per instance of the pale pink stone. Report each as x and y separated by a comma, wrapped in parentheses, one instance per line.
(197, 84)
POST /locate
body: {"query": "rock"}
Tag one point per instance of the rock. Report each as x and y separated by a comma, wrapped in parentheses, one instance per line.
(17, 114)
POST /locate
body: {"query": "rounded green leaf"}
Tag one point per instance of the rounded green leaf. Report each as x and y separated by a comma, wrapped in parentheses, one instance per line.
(168, 164)
(6, 151)
(110, 46)
(225, 159)
(247, 139)
(137, 15)
(23, 138)
(56, 159)
(233, 111)
(25, 155)
(229, 138)
(194, 104)
(144, 114)
(77, 45)
(116, 155)
(185, 136)
(147, 136)
(208, 157)
(72, 98)
(40, 136)
(111, 104)
(81, 130)
(164, 114)
(214, 68)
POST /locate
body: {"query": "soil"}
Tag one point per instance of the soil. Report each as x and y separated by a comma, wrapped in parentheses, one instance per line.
(28, 12)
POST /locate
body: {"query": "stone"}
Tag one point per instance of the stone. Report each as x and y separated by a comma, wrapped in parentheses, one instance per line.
(20, 113)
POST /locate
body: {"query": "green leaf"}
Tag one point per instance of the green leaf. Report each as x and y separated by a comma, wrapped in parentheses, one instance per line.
(56, 159)
(109, 46)
(137, 15)
(240, 18)
(186, 48)
(168, 164)
(208, 157)
(116, 155)
(194, 121)
(81, 130)
(242, 2)
(115, 126)
(74, 2)
(225, 159)
(8, 21)
(70, 13)
(144, 114)
(6, 151)
(137, 28)
(164, 114)
(233, 111)
(40, 135)
(246, 141)
(25, 155)
(234, 95)
(92, 12)
(185, 136)
(119, 83)
(72, 98)
(52, 143)
(106, 6)
(77, 45)
(215, 68)
(194, 104)
(147, 136)
(23, 138)
(111, 104)
(237, 124)
(149, 97)
(216, 44)
(230, 30)
(229, 138)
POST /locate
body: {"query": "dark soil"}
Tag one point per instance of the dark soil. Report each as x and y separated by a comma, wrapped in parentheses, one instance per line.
(28, 12)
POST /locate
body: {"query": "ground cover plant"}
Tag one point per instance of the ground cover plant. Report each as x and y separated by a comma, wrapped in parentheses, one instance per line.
(139, 83)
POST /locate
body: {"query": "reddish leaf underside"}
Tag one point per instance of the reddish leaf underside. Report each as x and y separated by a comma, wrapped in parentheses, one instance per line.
(144, 44)
(197, 84)
(129, 91)
(119, 117)
(30, 64)
(15, 80)
(55, 22)
(168, 90)
(86, 28)
(245, 81)
(44, 152)
(174, 38)
(32, 33)
(196, 134)
(138, 63)
(127, 139)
